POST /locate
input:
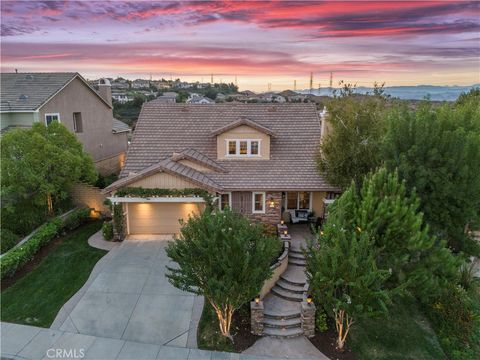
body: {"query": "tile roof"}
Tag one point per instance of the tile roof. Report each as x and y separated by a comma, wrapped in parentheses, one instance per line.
(169, 166)
(29, 91)
(119, 126)
(163, 129)
(243, 121)
(194, 155)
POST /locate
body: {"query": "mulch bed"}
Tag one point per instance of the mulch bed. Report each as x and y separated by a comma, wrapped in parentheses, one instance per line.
(242, 338)
(325, 342)
(32, 264)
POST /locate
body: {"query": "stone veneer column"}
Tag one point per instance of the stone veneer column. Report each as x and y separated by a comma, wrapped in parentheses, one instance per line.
(273, 215)
(308, 319)
(256, 317)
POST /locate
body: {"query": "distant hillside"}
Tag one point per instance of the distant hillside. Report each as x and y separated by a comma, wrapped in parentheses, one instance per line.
(419, 92)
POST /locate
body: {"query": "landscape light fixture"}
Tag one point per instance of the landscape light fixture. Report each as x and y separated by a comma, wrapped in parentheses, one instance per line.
(282, 222)
(309, 299)
(257, 299)
(285, 232)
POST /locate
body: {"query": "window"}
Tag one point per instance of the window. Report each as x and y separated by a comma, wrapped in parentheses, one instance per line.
(292, 200)
(258, 202)
(254, 147)
(77, 122)
(225, 201)
(49, 118)
(243, 148)
(232, 147)
(298, 200)
(303, 200)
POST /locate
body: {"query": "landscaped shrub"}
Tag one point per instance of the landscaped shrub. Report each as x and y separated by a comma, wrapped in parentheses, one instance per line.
(456, 320)
(118, 219)
(16, 258)
(321, 321)
(23, 216)
(76, 218)
(7, 240)
(21, 255)
(107, 230)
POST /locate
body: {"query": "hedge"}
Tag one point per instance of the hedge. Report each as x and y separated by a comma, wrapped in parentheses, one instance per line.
(16, 258)
(7, 240)
(107, 230)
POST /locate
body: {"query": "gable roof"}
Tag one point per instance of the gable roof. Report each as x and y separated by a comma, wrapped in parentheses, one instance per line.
(242, 120)
(163, 129)
(119, 126)
(27, 92)
(198, 157)
(169, 166)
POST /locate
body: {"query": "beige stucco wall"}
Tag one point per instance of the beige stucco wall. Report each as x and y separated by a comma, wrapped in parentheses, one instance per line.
(164, 181)
(17, 119)
(243, 132)
(90, 196)
(326, 128)
(278, 269)
(97, 119)
(317, 202)
(110, 165)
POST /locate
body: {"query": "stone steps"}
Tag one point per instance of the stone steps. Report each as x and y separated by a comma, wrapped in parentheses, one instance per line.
(283, 333)
(295, 283)
(287, 295)
(296, 256)
(297, 262)
(282, 323)
(298, 289)
(282, 315)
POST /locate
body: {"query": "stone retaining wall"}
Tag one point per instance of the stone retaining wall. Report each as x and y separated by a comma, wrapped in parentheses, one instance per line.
(278, 269)
(89, 196)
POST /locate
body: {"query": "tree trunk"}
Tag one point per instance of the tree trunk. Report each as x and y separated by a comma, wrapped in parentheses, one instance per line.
(343, 323)
(224, 315)
(50, 204)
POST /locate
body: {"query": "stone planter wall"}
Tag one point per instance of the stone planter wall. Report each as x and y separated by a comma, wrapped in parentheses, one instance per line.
(278, 269)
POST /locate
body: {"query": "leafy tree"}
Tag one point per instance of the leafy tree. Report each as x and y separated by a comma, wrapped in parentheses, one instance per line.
(43, 162)
(351, 147)
(383, 209)
(344, 277)
(223, 257)
(436, 151)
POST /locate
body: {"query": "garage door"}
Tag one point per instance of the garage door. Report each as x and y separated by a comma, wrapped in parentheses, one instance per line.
(159, 218)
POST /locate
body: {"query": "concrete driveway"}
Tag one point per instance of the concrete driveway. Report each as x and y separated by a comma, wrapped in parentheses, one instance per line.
(128, 297)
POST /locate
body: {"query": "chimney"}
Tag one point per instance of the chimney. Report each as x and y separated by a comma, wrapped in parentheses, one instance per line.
(105, 90)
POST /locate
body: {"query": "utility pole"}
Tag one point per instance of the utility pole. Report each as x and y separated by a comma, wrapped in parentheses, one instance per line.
(331, 81)
(269, 87)
(311, 82)
(211, 78)
(236, 83)
(294, 85)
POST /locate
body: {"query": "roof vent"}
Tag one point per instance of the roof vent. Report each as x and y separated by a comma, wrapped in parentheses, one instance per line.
(23, 97)
(29, 77)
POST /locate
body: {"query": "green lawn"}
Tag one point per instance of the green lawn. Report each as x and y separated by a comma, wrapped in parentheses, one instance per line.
(36, 298)
(404, 334)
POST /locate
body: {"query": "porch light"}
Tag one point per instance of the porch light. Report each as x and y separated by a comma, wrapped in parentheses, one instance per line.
(282, 222)
(271, 203)
(309, 299)
(257, 299)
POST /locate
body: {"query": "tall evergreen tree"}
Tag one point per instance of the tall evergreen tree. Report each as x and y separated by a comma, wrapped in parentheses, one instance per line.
(436, 152)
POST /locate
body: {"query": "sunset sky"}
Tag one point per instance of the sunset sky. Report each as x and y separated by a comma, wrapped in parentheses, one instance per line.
(400, 43)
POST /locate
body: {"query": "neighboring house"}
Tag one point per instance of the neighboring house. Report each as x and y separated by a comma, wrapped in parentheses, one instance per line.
(28, 98)
(140, 84)
(122, 98)
(199, 99)
(258, 159)
(167, 97)
(272, 97)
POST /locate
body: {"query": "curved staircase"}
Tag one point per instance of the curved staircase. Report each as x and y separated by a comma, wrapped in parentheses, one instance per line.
(282, 306)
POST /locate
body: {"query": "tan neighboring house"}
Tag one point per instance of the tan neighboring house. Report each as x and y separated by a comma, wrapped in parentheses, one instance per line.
(27, 98)
(257, 159)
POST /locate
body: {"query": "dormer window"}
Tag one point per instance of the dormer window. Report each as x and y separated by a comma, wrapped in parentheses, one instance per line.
(243, 147)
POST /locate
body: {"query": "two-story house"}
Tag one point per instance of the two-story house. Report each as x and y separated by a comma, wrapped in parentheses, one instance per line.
(28, 98)
(257, 159)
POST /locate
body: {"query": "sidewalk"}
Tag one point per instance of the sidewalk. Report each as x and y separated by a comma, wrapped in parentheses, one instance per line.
(34, 343)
